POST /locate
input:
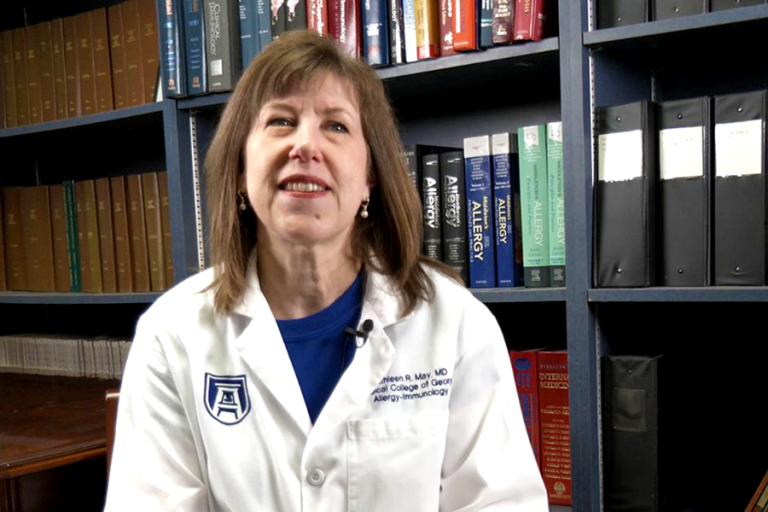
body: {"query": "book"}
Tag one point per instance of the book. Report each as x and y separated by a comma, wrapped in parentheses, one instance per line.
(446, 28)
(503, 27)
(556, 189)
(477, 170)
(532, 18)
(619, 13)
(409, 31)
(70, 207)
(222, 45)
(32, 64)
(165, 211)
(759, 501)
(670, 9)
(295, 15)
(88, 236)
(317, 17)
(740, 189)
(465, 25)
(20, 76)
(346, 26)
(684, 190)
(150, 44)
(265, 24)
(60, 239)
(9, 82)
(525, 367)
(278, 19)
(433, 225)
(454, 201)
(250, 44)
(106, 235)
(117, 56)
(554, 416)
(485, 12)
(397, 32)
(47, 80)
(13, 239)
(86, 75)
(102, 65)
(71, 67)
(86, 274)
(534, 205)
(123, 257)
(59, 71)
(505, 171)
(3, 280)
(375, 32)
(172, 58)
(134, 67)
(154, 226)
(194, 37)
(138, 230)
(427, 29)
(625, 237)
(37, 242)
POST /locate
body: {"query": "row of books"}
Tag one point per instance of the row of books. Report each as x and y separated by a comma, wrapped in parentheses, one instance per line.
(513, 230)
(92, 62)
(541, 377)
(680, 197)
(47, 354)
(107, 235)
(617, 13)
(207, 45)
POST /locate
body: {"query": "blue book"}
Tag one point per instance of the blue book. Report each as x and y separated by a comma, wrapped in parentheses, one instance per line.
(375, 33)
(505, 177)
(250, 44)
(171, 34)
(477, 166)
(265, 24)
(194, 34)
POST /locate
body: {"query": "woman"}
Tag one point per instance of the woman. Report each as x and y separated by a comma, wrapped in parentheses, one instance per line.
(321, 364)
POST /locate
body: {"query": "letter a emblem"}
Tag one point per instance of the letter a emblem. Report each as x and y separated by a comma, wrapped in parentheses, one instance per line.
(226, 398)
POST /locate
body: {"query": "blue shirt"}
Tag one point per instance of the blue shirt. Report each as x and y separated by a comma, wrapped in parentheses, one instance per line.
(319, 349)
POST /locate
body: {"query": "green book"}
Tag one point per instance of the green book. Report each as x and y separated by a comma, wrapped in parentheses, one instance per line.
(74, 250)
(534, 205)
(556, 187)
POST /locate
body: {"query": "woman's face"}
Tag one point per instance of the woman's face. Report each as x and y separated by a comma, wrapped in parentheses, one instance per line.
(305, 165)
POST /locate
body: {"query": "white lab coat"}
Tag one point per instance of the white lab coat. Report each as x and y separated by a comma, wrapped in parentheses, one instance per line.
(425, 418)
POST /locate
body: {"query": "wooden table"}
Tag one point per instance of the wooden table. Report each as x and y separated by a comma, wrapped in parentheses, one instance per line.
(52, 443)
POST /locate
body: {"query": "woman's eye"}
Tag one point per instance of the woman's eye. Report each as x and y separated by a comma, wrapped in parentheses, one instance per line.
(280, 121)
(338, 127)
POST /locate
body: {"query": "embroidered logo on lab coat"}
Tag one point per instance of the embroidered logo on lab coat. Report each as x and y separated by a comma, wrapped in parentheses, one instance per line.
(226, 398)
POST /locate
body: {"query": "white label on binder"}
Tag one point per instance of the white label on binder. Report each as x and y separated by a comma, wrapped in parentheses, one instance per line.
(620, 156)
(555, 131)
(738, 148)
(530, 136)
(681, 153)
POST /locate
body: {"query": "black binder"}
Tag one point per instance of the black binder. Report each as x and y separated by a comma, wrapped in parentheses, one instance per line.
(721, 5)
(631, 434)
(454, 202)
(432, 211)
(618, 13)
(740, 189)
(668, 9)
(685, 162)
(624, 196)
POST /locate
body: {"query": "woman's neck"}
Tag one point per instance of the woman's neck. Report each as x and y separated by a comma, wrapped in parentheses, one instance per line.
(299, 281)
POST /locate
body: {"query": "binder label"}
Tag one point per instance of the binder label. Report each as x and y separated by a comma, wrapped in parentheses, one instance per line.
(738, 148)
(681, 153)
(620, 156)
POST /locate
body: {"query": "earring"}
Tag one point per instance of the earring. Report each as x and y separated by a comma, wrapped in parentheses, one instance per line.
(241, 201)
(364, 212)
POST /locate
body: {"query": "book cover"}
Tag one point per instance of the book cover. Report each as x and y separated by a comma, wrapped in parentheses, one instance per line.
(9, 82)
(117, 56)
(350, 25)
(534, 205)
(446, 28)
(3, 280)
(14, 239)
(427, 29)
(477, 169)
(106, 235)
(375, 32)
(556, 190)
(150, 44)
(409, 31)
(503, 146)
(194, 34)
(397, 32)
(83, 245)
(531, 19)
(465, 25)
(37, 239)
(20, 76)
(485, 11)
(317, 20)
(102, 65)
(91, 265)
(123, 257)
(71, 67)
(70, 207)
(86, 77)
(172, 59)
(525, 367)
(47, 81)
(454, 200)
(134, 68)
(555, 422)
(32, 64)
(222, 44)
(138, 231)
(278, 19)
(154, 226)
(265, 24)
(433, 225)
(59, 71)
(165, 211)
(250, 44)
(60, 239)
(295, 15)
(503, 27)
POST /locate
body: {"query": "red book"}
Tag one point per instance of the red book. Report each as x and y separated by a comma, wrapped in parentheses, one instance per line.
(446, 28)
(555, 418)
(465, 25)
(525, 366)
(344, 25)
(317, 16)
(530, 20)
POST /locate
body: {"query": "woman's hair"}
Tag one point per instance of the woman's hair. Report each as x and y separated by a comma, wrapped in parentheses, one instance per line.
(388, 241)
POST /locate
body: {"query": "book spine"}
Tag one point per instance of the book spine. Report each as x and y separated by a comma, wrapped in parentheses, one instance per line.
(2, 89)
(59, 69)
(134, 72)
(525, 366)
(60, 239)
(31, 54)
(249, 32)
(465, 26)
(70, 207)
(223, 47)
(123, 261)
(296, 14)
(277, 21)
(454, 200)
(85, 64)
(165, 211)
(173, 72)
(486, 23)
(14, 239)
(3, 280)
(117, 56)
(446, 28)
(317, 20)
(9, 82)
(265, 23)
(350, 36)
(503, 21)
(150, 45)
(477, 160)
(47, 82)
(504, 214)
(194, 34)
(106, 235)
(102, 67)
(534, 205)
(376, 32)
(71, 67)
(38, 240)
(396, 32)
(554, 414)
(433, 226)
(555, 186)
(91, 232)
(20, 76)
(138, 230)
(427, 29)
(154, 224)
(409, 31)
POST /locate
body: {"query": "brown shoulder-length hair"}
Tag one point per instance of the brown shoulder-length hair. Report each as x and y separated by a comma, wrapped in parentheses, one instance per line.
(388, 241)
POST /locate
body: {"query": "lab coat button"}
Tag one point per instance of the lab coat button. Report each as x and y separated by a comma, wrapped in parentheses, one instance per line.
(316, 477)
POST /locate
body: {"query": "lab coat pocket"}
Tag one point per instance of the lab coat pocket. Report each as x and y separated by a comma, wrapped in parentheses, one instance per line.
(395, 463)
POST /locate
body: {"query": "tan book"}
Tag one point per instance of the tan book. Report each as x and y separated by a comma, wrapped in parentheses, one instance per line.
(3, 281)
(101, 61)
(92, 233)
(150, 48)
(138, 230)
(2, 89)
(82, 238)
(117, 56)
(14, 252)
(45, 58)
(9, 83)
(165, 211)
(60, 239)
(134, 71)
(85, 62)
(38, 240)
(122, 235)
(71, 67)
(33, 75)
(154, 222)
(59, 73)
(106, 236)
(20, 77)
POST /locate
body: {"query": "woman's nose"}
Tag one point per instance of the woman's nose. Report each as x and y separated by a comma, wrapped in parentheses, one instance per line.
(306, 145)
